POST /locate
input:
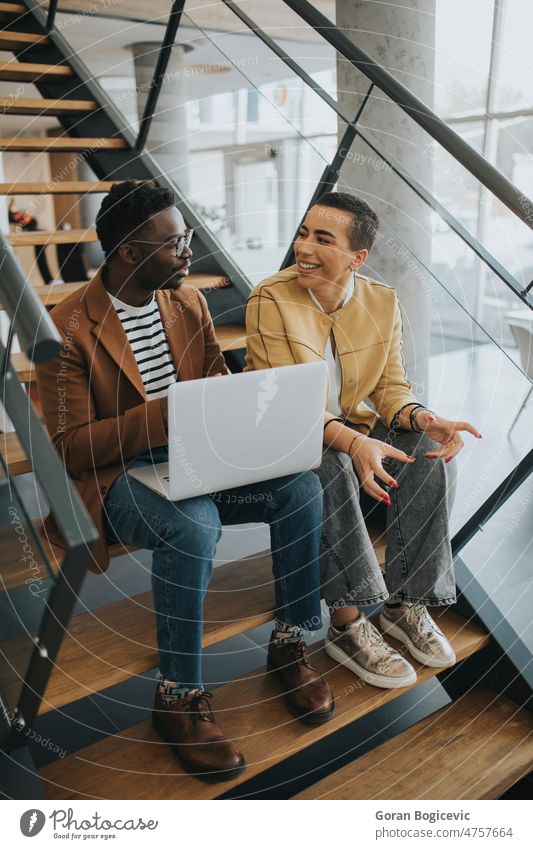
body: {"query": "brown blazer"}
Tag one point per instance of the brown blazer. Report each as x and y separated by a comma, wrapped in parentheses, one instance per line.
(92, 394)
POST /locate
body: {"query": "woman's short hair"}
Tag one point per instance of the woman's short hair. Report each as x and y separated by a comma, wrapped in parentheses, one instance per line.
(362, 220)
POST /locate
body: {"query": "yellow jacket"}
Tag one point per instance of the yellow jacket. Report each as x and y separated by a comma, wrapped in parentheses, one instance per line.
(284, 326)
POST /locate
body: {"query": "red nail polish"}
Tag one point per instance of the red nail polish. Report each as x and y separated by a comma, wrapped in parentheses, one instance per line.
(395, 485)
(447, 460)
(387, 500)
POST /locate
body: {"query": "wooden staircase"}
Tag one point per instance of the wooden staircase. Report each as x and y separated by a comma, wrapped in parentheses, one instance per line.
(253, 714)
(476, 747)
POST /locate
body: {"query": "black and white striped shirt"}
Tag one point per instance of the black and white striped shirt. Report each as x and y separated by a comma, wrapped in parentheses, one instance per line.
(148, 341)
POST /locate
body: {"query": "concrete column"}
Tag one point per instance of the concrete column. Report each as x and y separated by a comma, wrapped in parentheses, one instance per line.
(168, 132)
(401, 37)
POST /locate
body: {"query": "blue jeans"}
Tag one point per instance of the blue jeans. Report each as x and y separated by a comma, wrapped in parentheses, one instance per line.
(183, 537)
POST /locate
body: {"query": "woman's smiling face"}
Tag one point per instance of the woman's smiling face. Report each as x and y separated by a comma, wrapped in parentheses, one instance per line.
(322, 248)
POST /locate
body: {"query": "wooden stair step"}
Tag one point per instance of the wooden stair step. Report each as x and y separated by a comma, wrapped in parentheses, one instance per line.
(45, 106)
(475, 748)
(57, 292)
(252, 713)
(81, 187)
(16, 573)
(12, 10)
(111, 644)
(21, 40)
(54, 237)
(108, 645)
(27, 72)
(231, 337)
(55, 143)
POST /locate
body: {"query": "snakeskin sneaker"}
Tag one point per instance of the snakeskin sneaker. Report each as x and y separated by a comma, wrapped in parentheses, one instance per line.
(411, 624)
(362, 649)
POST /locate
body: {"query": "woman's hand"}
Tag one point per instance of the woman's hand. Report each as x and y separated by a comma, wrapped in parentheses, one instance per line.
(446, 432)
(367, 456)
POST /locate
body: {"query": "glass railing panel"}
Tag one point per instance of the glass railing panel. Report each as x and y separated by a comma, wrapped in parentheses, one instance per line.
(244, 140)
(125, 10)
(463, 34)
(500, 559)
(107, 45)
(25, 583)
(299, 40)
(475, 372)
(514, 80)
(469, 289)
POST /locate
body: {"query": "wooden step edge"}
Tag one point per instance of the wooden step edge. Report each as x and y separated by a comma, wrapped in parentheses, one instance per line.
(31, 106)
(81, 187)
(109, 645)
(49, 144)
(33, 72)
(26, 372)
(475, 748)
(88, 661)
(54, 237)
(252, 713)
(54, 293)
(13, 9)
(11, 40)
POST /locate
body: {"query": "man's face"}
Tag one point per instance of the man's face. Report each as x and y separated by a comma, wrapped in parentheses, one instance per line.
(159, 267)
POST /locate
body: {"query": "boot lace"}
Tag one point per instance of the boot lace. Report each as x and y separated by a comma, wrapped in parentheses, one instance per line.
(299, 653)
(199, 707)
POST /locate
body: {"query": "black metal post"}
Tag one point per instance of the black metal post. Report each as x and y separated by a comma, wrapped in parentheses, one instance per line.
(159, 73)
(500, 495)
(50, 20)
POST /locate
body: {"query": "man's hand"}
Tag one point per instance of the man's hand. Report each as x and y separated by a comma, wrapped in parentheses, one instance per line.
(446, 432)
(367, 456)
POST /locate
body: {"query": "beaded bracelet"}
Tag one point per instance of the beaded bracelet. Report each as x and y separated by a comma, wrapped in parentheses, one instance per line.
(395, 424)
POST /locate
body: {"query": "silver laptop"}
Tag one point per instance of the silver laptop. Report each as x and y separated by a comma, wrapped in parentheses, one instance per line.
(240, 429)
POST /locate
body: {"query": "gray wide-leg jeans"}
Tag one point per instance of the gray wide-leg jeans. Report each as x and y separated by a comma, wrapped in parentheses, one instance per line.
(418, 563)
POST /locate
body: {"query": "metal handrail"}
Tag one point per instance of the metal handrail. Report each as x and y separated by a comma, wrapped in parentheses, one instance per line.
(36, 331)
(159, 72)
(467, 156)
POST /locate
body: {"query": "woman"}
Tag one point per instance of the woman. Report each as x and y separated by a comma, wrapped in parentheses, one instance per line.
(321, 308)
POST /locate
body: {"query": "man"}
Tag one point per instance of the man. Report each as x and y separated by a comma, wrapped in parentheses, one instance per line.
(128, 335)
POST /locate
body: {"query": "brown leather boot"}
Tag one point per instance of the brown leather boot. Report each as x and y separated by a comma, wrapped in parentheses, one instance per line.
(198, 741)
(307, 694)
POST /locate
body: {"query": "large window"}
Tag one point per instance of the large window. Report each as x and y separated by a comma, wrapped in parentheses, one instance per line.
(484, 90)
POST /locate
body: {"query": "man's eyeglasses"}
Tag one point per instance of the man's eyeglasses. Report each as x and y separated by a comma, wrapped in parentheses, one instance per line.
(183, 241)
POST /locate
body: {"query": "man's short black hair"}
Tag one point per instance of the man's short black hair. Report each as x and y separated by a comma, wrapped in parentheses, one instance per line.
(127, 208)
(363, 221)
